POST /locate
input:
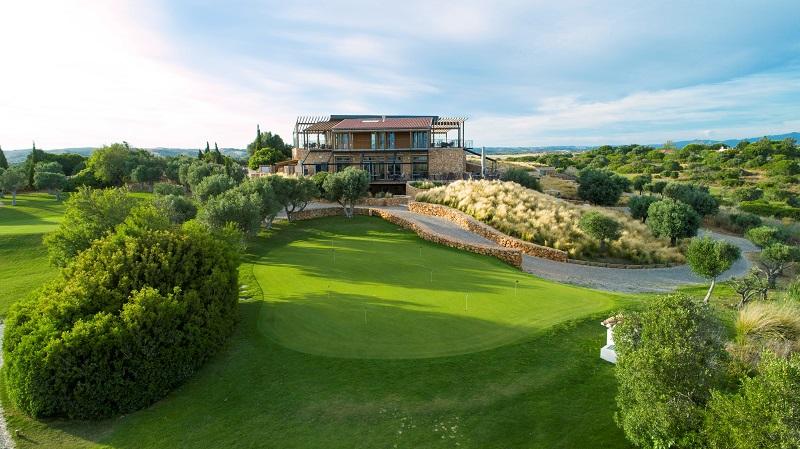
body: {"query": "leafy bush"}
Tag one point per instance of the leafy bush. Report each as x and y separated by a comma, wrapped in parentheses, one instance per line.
(764, 413)
(695, 196)
(521, 177)
(545, 220)
(672, 219)
(235, 206)
(292, 192)
(179, 208)
(768, 209)
(745, 221)
(639, 205)
(319, 179)
(165, 188)
(601, 187)
(131, 318)
(89, 214)
(600, 226)
(764, 236)
(211, 186)
(667, 362)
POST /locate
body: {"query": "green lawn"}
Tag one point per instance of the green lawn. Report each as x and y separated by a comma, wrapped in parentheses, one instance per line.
(425, 370)
(35, 213)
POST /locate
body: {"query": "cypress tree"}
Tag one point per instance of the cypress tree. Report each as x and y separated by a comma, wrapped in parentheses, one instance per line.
(31, 165)
(208, 149)
(3, 161)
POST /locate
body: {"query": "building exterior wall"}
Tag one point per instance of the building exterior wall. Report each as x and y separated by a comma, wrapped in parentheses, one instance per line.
(443, 161)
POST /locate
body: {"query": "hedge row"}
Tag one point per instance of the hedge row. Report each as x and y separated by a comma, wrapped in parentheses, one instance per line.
(768, 209)
(131, 318)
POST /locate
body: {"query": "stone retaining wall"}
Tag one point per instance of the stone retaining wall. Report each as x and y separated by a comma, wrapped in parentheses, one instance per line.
(469, 223)
(508, 255)
(398, 200)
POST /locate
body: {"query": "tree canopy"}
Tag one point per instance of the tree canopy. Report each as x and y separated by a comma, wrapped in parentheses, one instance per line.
(672, 219)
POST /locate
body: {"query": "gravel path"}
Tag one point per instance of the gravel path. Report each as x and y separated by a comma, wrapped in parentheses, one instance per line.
(611, 279)
(5, 438)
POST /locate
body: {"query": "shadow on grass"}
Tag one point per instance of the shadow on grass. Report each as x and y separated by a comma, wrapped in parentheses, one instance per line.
(369, 250)
(257, 393)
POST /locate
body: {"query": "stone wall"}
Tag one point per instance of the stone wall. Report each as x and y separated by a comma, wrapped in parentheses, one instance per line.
(510, 256)
(397, 200)
(442, 161)
(469, 223)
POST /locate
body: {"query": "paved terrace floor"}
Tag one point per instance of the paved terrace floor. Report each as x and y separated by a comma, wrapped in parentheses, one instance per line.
(611, 279)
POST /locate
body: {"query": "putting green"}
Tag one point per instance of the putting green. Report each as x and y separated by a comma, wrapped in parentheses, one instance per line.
(364, 288)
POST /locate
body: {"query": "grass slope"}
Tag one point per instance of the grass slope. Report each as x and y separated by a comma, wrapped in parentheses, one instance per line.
(365, 288)
(535, 384)
(35, 213)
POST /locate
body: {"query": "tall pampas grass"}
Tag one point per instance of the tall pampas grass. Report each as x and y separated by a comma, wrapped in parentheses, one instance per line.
(545, 220)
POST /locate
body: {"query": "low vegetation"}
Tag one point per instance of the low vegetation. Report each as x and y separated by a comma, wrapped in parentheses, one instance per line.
(131, 317)
(547, 221)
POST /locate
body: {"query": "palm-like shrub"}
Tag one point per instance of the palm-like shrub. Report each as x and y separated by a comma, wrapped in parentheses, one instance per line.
(548, 221)
(129, 319)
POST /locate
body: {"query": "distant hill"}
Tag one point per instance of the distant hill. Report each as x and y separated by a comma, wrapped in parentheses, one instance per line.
(522, 150)
(733, 142)
(16, 156)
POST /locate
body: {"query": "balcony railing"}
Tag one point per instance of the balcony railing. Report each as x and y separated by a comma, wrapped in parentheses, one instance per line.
(438, 143)
(451, 143)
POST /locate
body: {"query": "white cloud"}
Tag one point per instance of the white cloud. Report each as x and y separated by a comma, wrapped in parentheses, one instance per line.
(654, 116)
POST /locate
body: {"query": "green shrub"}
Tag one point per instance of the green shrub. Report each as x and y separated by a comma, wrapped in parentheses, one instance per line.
(425, 185)
(521, 177)
(764, 236)
(764, 413)
(235, 206)
(639, 205)
(745, 221)
(165, 188)
(211, 186)
(695, 196)
(668, 359)
(672, 219)
(179, 208)
(768, 209)
(89, 214)
(601, 187)
(131, 318)
(600, 226)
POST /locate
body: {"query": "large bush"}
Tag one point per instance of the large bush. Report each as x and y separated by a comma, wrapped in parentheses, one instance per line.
(698, 197)
(132, 317)
(601, 187)
(669, 358)
(672, 219)
(548, 221)
(89, 215)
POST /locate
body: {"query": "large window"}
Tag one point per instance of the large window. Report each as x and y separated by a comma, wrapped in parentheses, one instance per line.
(343, 162)
(419, 167)
(419, 139)
(377, 141)
(374, 166)
(391, 140)
(393, 168)
(343, 141)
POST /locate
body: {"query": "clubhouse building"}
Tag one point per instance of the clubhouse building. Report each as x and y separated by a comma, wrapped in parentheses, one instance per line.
(393, 149)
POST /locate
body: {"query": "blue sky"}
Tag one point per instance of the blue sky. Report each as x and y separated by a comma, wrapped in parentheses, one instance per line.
(178, 73)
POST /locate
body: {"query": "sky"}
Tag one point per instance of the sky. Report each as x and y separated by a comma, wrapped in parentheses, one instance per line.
(179, 73)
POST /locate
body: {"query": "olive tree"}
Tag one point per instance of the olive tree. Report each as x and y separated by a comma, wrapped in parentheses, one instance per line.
(12, 180)
(211, 186)
(775, 258)
(346, 187)
(601, 186)
(638, 206)
(600, 226)
(710, 258)
(240, 208)
(292, 192)
(672, 219)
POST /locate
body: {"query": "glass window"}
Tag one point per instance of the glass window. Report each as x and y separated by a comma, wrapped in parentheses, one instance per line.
(419, 167)
(391, 140)
(373, 140)
(342, 162)
(419, 139)
(344, 141)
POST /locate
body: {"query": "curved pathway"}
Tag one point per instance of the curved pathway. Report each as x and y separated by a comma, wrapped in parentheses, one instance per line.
(611, 279)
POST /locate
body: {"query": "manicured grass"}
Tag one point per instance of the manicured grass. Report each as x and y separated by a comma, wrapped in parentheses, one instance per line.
(23, 267)
(304, 371)
(364, 288)
(34, 213)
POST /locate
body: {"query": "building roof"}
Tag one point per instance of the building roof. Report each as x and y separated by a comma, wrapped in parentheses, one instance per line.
(380, 123)
(322, 126)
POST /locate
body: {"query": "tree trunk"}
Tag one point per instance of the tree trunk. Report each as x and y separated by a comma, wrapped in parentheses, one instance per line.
(673, 241)
(13, 197)
(710, 289)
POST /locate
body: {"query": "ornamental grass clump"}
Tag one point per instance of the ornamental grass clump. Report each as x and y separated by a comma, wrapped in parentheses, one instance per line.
(548, 221)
